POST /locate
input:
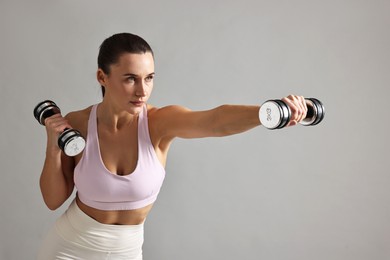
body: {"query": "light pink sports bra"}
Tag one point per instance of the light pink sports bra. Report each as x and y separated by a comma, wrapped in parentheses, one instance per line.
(97, 187)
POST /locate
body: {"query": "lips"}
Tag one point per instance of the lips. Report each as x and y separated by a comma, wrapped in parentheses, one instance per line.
(137, 103)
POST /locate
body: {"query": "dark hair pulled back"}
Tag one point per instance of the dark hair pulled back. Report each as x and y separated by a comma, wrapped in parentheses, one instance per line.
(113, 47)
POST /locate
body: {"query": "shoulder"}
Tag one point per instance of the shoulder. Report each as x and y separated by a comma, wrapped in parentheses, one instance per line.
(79, 119)
(172, 117)
(79, 116)
(167, 115)
(158, 120)
(166, 111)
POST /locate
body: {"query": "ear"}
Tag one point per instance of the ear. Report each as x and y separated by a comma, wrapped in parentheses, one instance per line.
(101, 77)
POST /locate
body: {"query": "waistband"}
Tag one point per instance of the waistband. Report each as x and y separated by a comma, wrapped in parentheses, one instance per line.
(78, 228)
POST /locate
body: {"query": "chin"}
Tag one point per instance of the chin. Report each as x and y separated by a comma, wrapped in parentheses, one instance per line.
(134, 110)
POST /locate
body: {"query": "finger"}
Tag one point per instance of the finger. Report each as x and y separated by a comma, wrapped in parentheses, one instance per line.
(57, 124)
(292, 123)
(302, 108)
(290, 101)
(54, 122)
(296, 104)
(53, 118)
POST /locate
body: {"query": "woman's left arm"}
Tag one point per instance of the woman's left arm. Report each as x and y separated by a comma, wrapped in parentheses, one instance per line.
(178, 121)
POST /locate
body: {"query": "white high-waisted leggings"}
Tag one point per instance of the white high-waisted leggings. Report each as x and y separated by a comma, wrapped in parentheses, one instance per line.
(75, 235)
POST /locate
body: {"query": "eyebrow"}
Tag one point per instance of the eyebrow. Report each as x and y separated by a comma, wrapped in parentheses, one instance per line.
(135, 75)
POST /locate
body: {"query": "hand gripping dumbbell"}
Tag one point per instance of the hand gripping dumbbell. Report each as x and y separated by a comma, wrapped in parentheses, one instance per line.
(275, 114)
(70, 141)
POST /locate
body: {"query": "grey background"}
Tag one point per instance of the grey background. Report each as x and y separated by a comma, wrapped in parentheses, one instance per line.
(298, 193)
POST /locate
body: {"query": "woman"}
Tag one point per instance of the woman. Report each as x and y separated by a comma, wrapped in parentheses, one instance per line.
(120, 172)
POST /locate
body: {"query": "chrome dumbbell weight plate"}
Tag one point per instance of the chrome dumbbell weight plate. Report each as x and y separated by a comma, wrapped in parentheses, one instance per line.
(70, 140)
(274, 114)
(315, 112)
(44, 110)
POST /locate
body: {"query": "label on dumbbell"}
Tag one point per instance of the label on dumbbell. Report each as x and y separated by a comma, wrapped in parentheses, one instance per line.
(270, 114)
(74, 146)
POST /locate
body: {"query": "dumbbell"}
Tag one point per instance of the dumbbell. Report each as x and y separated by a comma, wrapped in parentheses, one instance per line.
(70, 140)
(275, 114)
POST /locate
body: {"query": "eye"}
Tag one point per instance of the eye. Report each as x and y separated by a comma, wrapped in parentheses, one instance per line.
(130, 79)
(149, 78)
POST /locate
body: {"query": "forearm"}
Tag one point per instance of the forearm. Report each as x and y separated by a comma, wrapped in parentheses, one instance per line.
(53, 182)
(234, 119)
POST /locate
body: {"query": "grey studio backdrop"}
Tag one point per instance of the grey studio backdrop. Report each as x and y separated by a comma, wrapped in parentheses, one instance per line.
(300, 193)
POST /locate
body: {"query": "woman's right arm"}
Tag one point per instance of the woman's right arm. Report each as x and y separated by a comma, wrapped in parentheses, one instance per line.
(56, 181)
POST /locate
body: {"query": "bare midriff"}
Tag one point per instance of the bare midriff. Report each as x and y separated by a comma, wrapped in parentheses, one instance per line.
(116, 217)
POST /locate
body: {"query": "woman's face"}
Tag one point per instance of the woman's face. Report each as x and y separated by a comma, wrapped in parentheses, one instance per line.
(130, 81)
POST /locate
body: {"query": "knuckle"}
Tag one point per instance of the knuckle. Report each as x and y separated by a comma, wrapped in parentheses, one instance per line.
(293, 109)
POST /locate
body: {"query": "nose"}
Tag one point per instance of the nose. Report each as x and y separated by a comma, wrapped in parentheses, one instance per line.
(141, 90)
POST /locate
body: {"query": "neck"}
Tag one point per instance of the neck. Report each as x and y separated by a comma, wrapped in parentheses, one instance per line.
(113, 117)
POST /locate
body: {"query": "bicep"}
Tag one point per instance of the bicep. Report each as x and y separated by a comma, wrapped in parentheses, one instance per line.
(178, 121)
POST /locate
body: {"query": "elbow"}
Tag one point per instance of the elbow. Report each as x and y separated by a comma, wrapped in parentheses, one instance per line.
(53, 199)
(52, 205)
